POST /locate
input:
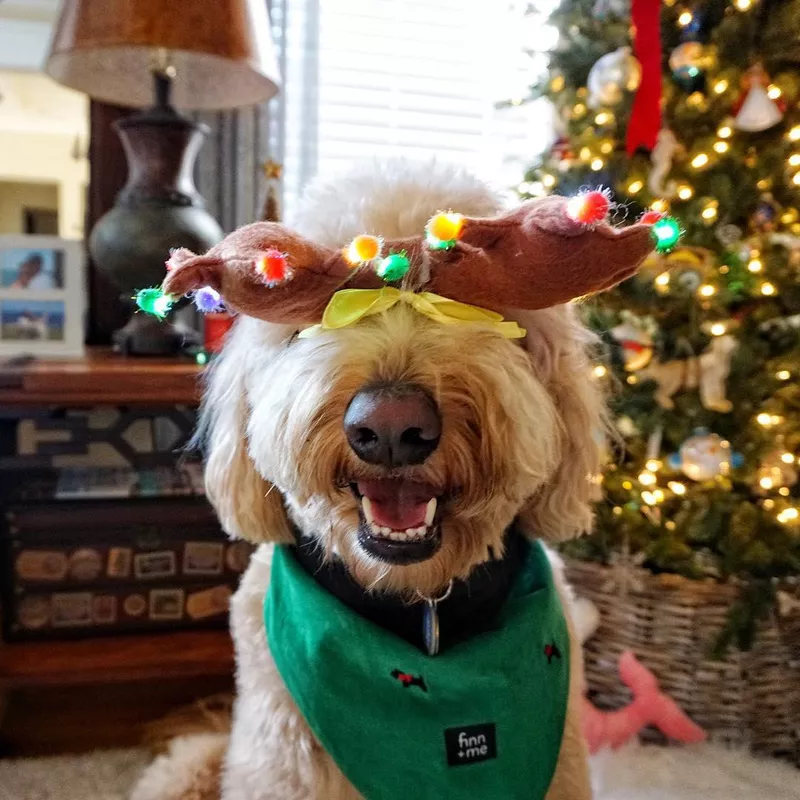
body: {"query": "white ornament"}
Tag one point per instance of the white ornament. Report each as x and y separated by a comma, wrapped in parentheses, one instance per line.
(611, 75)
(728, 234)
(636, 343)
(689, 279)
(661, 158)
(625, 572)
(708, 372)
(704, 456)
(759, 112)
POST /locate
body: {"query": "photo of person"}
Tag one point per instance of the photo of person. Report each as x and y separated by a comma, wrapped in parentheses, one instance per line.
(32, 320)
(42, 296)
(35, 270)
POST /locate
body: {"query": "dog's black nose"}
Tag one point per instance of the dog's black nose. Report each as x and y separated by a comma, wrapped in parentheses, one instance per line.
(393, 425)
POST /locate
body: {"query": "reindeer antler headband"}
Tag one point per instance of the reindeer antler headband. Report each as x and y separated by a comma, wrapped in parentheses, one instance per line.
(543, 253)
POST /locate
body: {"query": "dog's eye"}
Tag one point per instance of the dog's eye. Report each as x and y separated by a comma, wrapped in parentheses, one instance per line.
(292, 339)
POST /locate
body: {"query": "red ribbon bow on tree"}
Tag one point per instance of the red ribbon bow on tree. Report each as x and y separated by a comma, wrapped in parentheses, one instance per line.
(645, 121)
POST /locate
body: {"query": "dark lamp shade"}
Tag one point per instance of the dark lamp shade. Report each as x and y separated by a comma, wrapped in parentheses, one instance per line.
(222, 51)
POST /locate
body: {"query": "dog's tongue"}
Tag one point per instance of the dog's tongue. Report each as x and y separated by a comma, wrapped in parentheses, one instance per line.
(397, 504)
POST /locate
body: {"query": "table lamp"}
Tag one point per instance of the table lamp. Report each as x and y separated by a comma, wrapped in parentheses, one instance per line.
(195, 54)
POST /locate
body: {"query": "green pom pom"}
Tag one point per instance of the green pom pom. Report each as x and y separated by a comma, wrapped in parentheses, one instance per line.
(439, 244)
(154, 301)
(393, 267)
(667, 233)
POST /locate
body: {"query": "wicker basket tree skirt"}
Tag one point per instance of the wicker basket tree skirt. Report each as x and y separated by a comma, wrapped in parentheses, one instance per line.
(748, 699)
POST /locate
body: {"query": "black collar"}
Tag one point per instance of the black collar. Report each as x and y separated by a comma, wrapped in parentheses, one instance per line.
(471, 607)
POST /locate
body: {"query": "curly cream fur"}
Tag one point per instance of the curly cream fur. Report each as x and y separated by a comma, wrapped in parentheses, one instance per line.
(519, 439)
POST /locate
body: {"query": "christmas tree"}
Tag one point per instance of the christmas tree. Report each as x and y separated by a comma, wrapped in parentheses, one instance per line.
(691, 109)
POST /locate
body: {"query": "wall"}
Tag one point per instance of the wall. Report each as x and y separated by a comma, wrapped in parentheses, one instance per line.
(25, 28)
(43, 140)
(16, 196)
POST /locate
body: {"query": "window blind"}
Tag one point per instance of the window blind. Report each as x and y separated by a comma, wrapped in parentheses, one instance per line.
(411, 78)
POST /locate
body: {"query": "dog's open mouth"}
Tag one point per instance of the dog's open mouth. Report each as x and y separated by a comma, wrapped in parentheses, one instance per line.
(398, 519)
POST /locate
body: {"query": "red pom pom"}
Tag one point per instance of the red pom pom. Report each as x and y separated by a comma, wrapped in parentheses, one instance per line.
(590, 208)
(272, 266)
(651, 217)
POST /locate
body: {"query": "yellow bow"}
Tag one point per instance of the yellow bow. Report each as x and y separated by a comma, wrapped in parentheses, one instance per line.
(349, 306)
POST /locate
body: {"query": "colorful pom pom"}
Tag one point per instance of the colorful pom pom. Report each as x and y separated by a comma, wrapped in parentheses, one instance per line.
(393, 267)
(589, 208)
(208, 300)
(666, 233)
(443, 230)
(363, 249)
(154, 301)
(651, 217)
(273, 267)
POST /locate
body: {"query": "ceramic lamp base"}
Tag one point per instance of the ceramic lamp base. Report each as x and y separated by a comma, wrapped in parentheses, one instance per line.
(144, 335)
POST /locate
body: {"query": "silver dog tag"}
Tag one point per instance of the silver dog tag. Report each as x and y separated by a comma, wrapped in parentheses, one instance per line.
(430, 620)
(430, 627)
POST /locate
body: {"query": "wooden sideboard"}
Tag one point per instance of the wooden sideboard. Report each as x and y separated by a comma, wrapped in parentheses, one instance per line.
(103, 378)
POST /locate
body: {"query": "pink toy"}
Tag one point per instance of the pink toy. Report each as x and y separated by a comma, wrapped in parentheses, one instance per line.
(650, 706)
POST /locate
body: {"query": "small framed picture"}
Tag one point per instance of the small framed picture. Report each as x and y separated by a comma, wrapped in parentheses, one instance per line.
(72, 609)
(166, 604)
(203, 558)
(154, 565)
(209, 602)
(104, 609)
(119, 562)
(42, 296)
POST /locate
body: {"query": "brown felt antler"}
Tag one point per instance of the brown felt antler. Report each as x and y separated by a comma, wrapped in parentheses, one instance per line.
(537, 256)
(533, 257)
(313, 274)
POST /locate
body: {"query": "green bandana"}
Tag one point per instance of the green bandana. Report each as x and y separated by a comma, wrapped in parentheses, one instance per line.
(483, 719)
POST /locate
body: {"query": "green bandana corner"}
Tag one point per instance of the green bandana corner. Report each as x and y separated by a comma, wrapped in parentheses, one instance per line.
(484, 719)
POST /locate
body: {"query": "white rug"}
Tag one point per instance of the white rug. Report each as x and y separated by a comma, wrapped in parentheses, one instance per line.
(700, 772)
(695, 772)
(103, 775)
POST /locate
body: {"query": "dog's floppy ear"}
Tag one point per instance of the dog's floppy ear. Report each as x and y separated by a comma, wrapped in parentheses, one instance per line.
(559, 346)
(248, 507)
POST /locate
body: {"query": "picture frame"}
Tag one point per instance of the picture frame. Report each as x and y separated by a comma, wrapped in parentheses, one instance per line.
(166, 604)
(42, 297)
(203, 558)
(160, 564)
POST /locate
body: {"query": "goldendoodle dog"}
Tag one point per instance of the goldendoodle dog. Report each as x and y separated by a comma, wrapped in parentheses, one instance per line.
(404, 409)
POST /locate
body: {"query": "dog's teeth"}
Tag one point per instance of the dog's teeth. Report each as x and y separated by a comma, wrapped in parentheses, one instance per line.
(408, 535)
(366, 504)
(430, 511)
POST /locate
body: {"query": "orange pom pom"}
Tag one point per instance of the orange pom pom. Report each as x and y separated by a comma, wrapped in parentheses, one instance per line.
(272, 267)
(363, 249)
(590, 208)
(445, 227)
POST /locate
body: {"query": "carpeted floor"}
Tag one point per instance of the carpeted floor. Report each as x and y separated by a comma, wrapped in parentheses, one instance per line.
(701, 772)
(696, 772)
(103, 775)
